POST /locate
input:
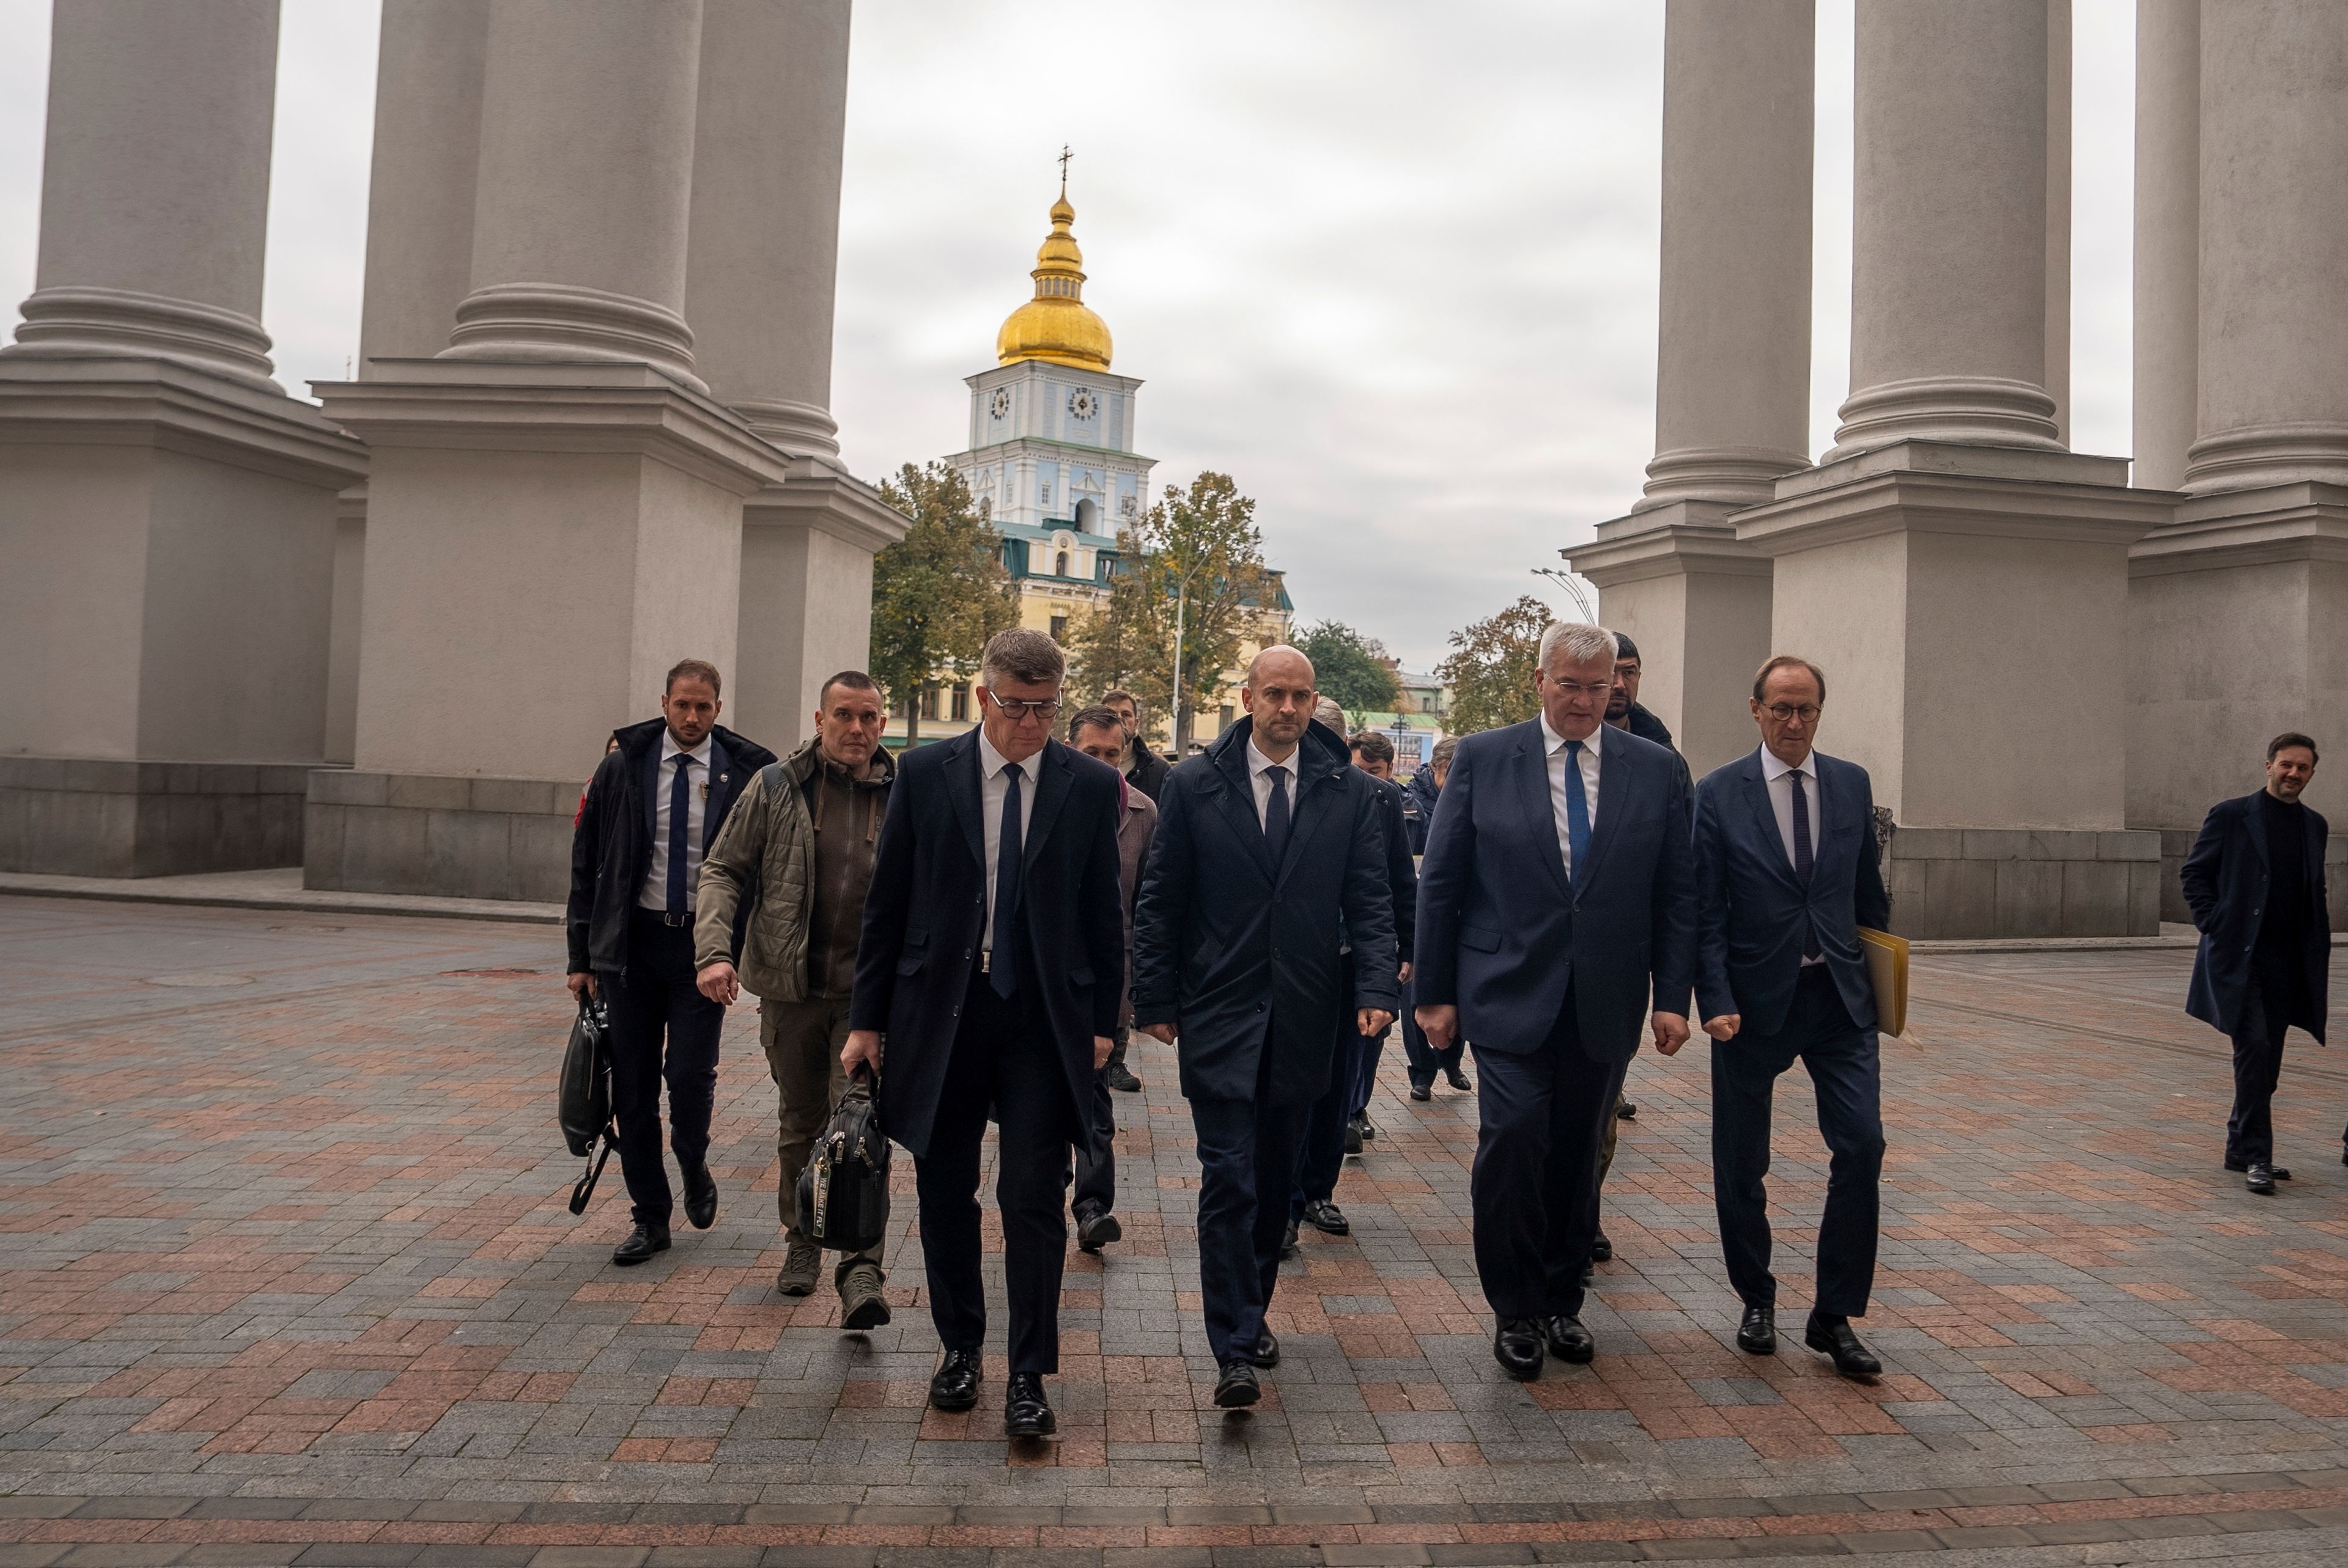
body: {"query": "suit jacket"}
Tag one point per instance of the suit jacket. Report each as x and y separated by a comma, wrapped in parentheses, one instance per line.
(1402, 866)
(1500, 933)
(925, 920)
(2225, 882)
(1225, 942)
(1135, 832)
(1752, 911)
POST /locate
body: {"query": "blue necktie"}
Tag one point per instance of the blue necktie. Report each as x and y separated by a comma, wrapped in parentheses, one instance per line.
(1002, 966)
(1577, 815)
(1275, 815)
(680, 814)
(1804, 858)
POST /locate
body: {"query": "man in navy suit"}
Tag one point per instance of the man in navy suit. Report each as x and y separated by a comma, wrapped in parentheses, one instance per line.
(2255, 884)
(1557, 889)
(992, 961)
(1788, 871)
(1264, 844)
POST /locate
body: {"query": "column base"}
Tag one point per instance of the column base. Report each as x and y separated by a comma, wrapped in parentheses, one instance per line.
(2023, 882)
(451, 837)
(94, 816)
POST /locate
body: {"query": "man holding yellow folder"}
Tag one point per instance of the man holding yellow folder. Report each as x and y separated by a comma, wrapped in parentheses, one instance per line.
(1788, 871)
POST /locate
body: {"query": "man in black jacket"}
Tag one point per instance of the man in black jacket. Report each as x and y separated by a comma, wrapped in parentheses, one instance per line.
(653, 806)
(1145, 770)
(1264, 843)
(2254, 881)
(992, 960)
(1426, 1062)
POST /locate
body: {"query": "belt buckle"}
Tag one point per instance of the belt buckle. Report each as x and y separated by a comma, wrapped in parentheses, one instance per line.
(987, 960)
(671, 917)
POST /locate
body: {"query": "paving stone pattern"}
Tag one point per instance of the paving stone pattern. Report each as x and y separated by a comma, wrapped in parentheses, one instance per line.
(287, 1276)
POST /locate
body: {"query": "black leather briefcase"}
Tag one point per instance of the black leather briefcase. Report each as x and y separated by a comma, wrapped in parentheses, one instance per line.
(584, 1096)
(843, 1194)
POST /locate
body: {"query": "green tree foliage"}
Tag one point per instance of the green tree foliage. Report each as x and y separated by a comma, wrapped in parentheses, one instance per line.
(1347, 666)
(1199, 546)
(938, 594)
(1490, 668)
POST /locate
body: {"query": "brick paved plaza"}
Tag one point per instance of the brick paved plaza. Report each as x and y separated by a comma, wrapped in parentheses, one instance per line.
(289, 1277)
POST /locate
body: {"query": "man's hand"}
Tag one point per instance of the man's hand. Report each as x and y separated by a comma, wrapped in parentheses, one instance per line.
(1102, 1045)
(1725, 1027)
(719, 983)
(1440, 1023)
(1163, 1033)
(862, 1049)
(1404, 977)
(1372, 1023)
(581, 980)
(1671, 1032)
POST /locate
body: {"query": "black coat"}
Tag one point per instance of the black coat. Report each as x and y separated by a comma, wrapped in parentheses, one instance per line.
(1501, 934)
(1149, 771)
(925, 920)
(1402, 869)
(1424, 792)
(2225, 882)
(1223, 939)
(612, 842)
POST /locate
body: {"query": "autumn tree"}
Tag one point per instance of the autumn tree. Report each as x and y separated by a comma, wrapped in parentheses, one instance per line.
(1350, 668)
(938, 594)
(1490, 668)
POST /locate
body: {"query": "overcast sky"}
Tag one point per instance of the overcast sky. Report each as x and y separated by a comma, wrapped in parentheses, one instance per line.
(1392, 265)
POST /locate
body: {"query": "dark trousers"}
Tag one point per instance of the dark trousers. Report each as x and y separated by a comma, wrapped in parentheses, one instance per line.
(1426, 1062)
(1004, 1057)
(1842, 1064)
(1367, 1051)
(1247, 1162)
(1534, 1186)
(657, 999)
(2257, 1066)
(1096, 1171)
(1321, 1143)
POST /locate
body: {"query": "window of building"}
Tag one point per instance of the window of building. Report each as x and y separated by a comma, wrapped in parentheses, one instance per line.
(1060, 622)
(1229, 713)
(962, 700)
(928, 701)
(1060, 564)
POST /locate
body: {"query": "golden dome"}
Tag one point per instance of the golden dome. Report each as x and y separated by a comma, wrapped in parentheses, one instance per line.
(1055, 325)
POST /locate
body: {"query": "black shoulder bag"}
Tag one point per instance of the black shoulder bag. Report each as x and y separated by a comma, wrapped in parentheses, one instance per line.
(843, 1192)
(584, 1107)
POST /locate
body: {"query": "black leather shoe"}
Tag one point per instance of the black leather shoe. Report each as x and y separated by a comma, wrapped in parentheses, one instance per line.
(1457, 1078)
(1422, 1091)
(1096, 1231)
(1267, 1351)
(1600, 1249)
(1025, 1412)
(1353, 1138)
(2260, 1179)
(1516, 1347)
(954, 1385)
(1237, 1387)
(701, 1197)
(1568, 1341)
(2282, 1172)
(1851, 1358)
(1369, 1132)
(641, 1243)
(1326, 1217)
(1627, 1111)
(1288, 1240)
(1120, 1078)
(1757, 1334)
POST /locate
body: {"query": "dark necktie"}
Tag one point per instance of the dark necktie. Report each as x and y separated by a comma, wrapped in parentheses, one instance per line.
(680, 815)
(1803, 857)
(1577, 815)
(1275, 815)
(1002, 966)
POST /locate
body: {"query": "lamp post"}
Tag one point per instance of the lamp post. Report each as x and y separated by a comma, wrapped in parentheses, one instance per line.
(1174, 715)
(1565, 579)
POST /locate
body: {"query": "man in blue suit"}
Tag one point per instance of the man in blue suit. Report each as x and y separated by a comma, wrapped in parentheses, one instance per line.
(992, 960)
(1788, 871)
(1558, 890)
(1264, 844)
(2255, 884)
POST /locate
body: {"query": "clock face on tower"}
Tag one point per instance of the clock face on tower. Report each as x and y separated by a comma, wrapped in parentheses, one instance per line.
(1000, 406)
(1082, 404)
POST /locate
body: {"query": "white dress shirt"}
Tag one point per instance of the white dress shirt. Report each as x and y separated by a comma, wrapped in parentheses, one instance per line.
(1778, 777)
(696, 797)
(1554, 743)
(1259, 776)
(992, 785)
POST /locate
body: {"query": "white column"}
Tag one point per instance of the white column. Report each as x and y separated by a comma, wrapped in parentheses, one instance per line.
(2058, 214)
(420, 195)
(585, 185)
(1949, 247)
(2167, 236)
(155, 184)
(765, 257)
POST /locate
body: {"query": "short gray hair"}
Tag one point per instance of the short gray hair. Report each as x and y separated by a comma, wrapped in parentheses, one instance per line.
(1330, 713)
(1441, 756)
(1019, 654)
(1580, 643)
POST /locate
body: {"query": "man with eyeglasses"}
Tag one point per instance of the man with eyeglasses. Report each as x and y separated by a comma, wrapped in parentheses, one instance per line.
(1557, 894)
(990, 971)
(1786, 872)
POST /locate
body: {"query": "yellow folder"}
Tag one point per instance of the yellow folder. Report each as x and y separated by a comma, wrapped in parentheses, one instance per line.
(1887, 967)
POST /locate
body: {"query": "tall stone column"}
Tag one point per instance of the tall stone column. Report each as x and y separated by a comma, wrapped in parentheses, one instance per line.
(167, 514)
(2167, 236)
(555, 497)
(759, 284)
(1733, 365)
(2241, 601)
(1950, 557)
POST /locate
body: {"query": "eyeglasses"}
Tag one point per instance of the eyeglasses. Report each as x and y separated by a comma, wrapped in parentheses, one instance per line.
(1785, 713)
(1044, 708)
(1572, 689)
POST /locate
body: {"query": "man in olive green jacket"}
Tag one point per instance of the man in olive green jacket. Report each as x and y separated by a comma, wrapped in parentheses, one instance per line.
(799, 845)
